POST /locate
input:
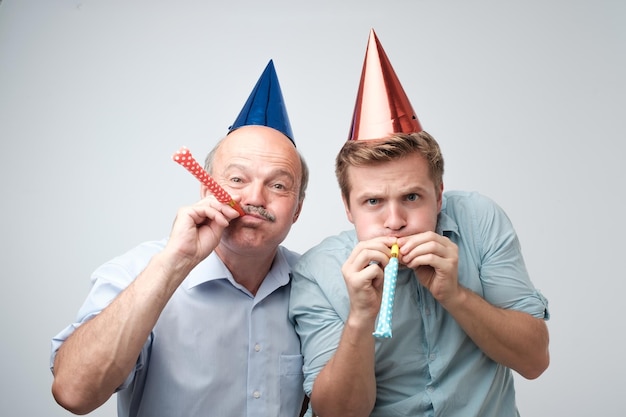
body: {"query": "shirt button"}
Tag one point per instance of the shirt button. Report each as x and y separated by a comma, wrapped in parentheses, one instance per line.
(257, 348)
(430, 389)
(256, 394)
(432, 357)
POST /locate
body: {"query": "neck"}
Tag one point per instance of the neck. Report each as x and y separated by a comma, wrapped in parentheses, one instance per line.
(248, 270)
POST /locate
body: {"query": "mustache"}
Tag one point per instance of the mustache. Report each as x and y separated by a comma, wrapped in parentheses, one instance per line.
(260, 211)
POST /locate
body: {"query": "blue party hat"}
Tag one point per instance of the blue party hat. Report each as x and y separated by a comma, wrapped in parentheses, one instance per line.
(265, 106)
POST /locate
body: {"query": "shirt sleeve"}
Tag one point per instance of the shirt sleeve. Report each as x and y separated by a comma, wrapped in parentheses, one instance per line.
(108, 281)
(318, 287)
(503, 273)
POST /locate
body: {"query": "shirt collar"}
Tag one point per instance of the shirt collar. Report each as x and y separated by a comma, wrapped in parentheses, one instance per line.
(212, 268)
(446, 225)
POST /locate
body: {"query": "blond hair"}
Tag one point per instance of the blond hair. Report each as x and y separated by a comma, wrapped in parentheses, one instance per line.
(360, 153)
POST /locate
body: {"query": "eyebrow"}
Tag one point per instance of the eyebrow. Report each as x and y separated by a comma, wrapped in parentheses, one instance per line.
(276, 172)
(378, 194)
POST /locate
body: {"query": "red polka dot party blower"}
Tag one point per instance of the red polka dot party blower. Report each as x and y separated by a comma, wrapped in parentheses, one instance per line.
(185, 159)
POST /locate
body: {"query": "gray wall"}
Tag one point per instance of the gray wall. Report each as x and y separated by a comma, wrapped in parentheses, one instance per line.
(527, 99)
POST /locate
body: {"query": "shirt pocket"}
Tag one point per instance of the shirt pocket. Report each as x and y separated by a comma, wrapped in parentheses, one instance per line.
(291, 381)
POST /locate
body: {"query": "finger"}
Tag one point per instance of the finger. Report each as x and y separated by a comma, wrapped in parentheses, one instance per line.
(364, 280)
(408, 243)
(203, 214)
(424, 243)
(229, 211)
(362, 258)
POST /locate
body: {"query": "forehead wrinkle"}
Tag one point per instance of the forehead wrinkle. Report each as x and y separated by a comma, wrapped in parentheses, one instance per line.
(271, 172)
(380, 186)
(251, 152)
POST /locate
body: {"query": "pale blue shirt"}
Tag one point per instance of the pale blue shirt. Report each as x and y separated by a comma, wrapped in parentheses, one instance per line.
(430, 367)
(216, 350)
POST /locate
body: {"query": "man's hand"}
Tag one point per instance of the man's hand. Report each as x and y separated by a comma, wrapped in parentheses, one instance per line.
(363, 272)
(198, 228)
(435, 259)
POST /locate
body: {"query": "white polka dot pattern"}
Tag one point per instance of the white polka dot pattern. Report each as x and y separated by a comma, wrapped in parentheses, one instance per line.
(185, 159)
(383, 325)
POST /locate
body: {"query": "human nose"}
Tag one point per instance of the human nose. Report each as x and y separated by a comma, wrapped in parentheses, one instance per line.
(395, 217)
(254, 194)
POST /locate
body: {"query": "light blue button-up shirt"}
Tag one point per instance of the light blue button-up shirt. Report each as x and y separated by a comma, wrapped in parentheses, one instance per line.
(216, 349)
(430, 367)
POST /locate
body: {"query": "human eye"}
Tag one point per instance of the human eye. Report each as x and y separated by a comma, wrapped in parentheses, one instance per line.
(235, 181)
(281, 183)
(412, 197)
(372, 201)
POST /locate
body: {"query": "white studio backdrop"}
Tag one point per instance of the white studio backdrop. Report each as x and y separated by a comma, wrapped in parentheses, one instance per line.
(526, 98)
